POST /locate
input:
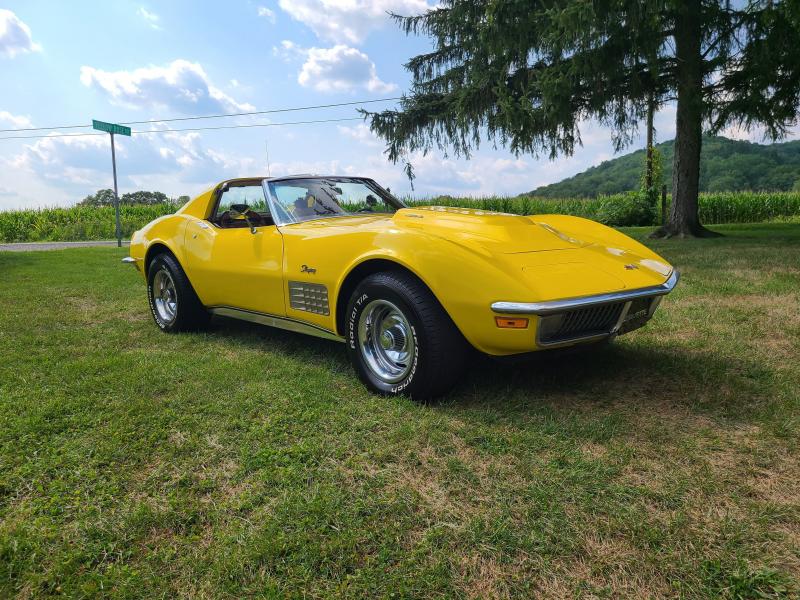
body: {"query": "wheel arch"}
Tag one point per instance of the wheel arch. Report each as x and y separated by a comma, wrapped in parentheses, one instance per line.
(153, 250)
(360, 272)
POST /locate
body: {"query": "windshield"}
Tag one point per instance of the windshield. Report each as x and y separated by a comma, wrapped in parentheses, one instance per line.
(298, 200)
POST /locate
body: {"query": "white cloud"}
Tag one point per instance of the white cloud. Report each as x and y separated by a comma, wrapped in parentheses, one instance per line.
(349, 20)
(182, 86)
(151, 18)
(484, 175)
(268, 14)
(15, 120)
(15, 36)
(341, 69)
(488, 173)
(28, 192)
(289, 51)
(175, 163)
(758, 134)
(362, 134)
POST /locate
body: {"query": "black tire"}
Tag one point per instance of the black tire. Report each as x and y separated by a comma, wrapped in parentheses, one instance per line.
(188, 312)
(436, 351)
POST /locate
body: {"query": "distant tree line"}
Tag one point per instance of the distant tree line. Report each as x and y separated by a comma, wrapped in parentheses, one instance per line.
(141, 197)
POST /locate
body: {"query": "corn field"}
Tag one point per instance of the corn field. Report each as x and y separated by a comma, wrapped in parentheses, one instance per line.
(626, 209)
(95, 223)
(76, 223)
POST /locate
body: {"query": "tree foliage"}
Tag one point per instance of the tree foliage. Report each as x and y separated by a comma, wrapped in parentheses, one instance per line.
(143, 197)
(106, 198)
(99, 198)
(527, 73)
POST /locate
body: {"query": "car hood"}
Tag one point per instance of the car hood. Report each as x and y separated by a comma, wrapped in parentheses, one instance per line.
(551, 262)
(498, 233)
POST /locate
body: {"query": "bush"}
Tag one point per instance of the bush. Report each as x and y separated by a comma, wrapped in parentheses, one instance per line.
(622, 210)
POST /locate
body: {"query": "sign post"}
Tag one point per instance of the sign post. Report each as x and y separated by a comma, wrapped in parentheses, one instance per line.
(112, 128)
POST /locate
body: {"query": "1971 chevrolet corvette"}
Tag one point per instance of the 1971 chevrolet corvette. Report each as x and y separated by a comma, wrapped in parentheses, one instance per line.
(408, 290)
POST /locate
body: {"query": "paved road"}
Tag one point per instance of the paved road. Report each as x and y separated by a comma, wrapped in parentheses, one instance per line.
(33, 246)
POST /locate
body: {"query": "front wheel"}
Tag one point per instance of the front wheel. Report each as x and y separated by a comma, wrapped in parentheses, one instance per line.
(173, 301)
(400, 339)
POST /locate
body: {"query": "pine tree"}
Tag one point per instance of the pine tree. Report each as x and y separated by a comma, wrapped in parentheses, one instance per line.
(525, 73)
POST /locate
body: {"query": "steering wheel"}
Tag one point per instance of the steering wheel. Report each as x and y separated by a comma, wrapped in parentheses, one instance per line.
(254, 216)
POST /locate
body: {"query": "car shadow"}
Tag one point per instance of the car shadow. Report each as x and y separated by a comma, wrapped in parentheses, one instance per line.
(260, 337)
(625, 375)
(619, 374)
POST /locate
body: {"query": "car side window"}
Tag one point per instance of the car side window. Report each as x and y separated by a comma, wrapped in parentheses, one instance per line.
(242, 206)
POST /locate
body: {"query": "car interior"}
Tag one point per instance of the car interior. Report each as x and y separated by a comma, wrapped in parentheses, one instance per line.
(238, 215)
(242, 206)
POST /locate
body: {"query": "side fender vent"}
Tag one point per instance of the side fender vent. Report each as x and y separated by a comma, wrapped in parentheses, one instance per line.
(309, 297)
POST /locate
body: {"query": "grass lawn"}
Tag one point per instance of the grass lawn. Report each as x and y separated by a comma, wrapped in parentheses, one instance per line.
(250, 461)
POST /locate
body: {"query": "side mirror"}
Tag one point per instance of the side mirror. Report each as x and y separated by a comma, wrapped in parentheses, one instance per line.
(236, 215)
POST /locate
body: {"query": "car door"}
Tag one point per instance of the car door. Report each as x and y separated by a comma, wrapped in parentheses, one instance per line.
(235, 257)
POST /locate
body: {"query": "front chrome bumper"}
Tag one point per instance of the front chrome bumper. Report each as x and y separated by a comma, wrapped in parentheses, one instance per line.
(134, 262)
(590, 318)
(557, 306)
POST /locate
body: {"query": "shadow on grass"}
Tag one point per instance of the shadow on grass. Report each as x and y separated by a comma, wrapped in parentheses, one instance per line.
(618, 374)
(651, 377)
(261, 337)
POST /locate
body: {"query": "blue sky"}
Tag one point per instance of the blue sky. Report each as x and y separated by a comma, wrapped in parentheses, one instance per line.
(67, 63)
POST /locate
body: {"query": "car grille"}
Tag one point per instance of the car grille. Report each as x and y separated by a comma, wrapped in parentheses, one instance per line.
(579, 323)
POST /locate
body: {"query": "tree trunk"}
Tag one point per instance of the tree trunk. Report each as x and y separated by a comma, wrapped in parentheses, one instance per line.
(648, 178)
(684, 220)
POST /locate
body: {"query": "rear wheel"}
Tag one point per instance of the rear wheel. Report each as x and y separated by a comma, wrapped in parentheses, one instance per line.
(173, 302)
(400, 339)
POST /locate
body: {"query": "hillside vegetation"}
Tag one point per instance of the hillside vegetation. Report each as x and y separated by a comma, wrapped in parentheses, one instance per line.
(726, 165)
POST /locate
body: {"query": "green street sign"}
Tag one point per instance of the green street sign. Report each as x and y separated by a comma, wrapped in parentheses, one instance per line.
(111, 127)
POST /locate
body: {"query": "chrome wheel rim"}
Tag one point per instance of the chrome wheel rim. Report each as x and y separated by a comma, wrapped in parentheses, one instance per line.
(164, 296)
(386, 341)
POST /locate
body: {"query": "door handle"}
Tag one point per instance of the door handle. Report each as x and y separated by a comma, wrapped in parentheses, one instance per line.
(202, 225)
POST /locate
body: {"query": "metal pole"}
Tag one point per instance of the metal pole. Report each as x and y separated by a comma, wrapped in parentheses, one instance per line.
(116, 195)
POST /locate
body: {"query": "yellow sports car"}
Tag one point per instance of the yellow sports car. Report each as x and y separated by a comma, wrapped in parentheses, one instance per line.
(408, 290)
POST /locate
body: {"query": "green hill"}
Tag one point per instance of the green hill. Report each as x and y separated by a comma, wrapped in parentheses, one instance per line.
(726, 165)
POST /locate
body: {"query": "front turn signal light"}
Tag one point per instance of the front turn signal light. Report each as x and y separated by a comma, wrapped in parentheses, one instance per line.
(511, 322)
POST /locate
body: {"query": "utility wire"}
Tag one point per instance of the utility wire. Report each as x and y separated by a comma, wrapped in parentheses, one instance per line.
(155, 131)
(221, 116)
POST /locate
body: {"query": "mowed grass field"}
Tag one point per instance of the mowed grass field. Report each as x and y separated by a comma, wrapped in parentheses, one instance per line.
(246, 461)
